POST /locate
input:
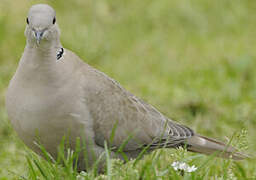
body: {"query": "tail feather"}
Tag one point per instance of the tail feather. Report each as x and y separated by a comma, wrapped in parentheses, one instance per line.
(205, 145)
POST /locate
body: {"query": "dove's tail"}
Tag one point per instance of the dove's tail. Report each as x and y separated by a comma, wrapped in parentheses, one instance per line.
(205, 145)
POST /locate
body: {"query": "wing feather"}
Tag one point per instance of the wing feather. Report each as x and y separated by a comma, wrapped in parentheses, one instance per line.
(111, 105)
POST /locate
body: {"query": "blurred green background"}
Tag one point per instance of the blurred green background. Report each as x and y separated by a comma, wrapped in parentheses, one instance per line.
(193, 60)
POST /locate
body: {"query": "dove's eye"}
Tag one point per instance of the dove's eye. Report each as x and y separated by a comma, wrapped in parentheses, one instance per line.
(54, 20)
(27, 21)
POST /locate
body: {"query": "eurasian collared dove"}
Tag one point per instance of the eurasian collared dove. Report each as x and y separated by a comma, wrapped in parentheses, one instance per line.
(53, 93)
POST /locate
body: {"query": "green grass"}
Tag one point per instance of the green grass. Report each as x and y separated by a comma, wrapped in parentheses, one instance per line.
(193, 60)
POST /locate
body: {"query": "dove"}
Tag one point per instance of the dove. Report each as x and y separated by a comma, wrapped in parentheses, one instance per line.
(54, 93)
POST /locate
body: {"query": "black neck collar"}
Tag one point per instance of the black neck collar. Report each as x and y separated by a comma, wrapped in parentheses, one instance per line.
(60, 53)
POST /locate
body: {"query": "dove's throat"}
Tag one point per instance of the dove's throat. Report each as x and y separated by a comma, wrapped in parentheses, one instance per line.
(42, 63)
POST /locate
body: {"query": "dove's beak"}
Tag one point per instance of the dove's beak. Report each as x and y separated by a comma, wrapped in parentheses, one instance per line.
(38, 35)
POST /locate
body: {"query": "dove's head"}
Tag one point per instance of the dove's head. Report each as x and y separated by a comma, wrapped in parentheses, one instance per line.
(41, 24)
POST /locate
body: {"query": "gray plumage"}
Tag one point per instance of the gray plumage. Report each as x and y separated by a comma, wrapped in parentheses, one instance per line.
(53, 94)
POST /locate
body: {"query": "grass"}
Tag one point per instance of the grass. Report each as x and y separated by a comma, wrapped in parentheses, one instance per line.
(193, 60)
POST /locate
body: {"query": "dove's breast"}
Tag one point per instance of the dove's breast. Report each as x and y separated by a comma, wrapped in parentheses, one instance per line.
(47, 113)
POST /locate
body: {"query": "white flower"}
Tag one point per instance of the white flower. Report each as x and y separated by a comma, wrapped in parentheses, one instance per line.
(181, 166)
(175, 165)
(191, 168)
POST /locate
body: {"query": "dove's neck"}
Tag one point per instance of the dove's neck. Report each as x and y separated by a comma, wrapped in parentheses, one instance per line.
(44, 54)
(39, 64)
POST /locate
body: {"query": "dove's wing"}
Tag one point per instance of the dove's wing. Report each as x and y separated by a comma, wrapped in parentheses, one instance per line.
(118, 115)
